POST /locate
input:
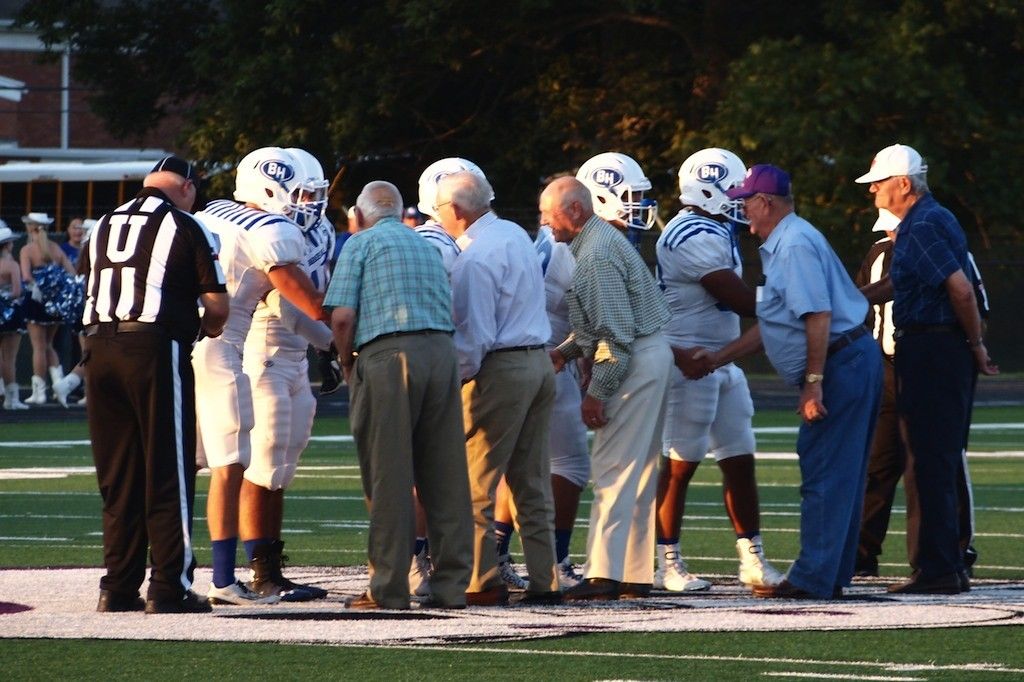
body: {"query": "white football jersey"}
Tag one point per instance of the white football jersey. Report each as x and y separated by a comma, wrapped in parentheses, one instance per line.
(442, 241)
(558, 265)
(250, 243)
(690, 247)
(278, 323)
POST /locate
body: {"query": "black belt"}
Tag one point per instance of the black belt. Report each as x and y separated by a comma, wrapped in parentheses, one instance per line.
(511, 349)
(122, 327)
(389, 335)
(846, 339)
(912, 329)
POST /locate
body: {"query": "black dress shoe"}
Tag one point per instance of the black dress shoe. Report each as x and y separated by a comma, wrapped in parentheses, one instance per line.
(943, 584)
(634, 590)
(492, 596)
(594, 589)
(116, 602)
(538, 599)
(784, 590)
(432, 602)
(965, 580)
(190, 602)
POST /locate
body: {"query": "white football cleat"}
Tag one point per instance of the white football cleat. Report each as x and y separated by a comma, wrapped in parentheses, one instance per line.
(508, 575)
(239, 595)
(419, 575)
(754, 567)
(567, 575)
(673, 576)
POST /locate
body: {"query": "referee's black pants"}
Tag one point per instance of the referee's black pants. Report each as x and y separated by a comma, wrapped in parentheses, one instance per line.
(141, 412)
(935, 375)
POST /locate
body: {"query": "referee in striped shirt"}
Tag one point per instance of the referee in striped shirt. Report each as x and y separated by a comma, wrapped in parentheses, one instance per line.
(148, 263)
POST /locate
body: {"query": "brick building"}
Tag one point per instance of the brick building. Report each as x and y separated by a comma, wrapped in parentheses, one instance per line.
(55, 155)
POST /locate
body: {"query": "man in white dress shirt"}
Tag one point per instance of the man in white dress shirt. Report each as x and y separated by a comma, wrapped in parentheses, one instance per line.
(501, 327)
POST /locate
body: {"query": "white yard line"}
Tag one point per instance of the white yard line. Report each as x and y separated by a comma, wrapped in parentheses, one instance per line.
(883, 665)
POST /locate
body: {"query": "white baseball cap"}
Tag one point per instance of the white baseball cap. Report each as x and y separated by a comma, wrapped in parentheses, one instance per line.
(895, 160)
(887, 221)
(37, 218)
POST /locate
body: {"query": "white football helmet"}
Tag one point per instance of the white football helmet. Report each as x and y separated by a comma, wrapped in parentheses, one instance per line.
(433, 174)
(271, 179)
(312, 187)
(617, 184)
(706, 175)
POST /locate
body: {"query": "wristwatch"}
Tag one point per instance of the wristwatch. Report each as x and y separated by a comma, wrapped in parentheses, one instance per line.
(812, 378)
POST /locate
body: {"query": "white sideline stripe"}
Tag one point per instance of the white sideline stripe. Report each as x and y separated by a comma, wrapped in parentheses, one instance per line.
(884, 665)
(834, 676)
(33, 539)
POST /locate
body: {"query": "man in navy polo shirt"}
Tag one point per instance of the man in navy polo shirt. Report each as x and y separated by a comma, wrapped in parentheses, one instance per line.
(939, 350)
(810, 321)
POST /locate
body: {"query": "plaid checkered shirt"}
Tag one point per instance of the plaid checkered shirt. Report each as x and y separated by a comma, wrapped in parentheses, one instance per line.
(394, 280)
(613, 301)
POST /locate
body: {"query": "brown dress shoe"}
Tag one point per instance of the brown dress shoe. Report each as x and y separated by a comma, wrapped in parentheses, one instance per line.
(634, 590)
(784, 590)
(492, 596)
(594, 589)
(363, 602)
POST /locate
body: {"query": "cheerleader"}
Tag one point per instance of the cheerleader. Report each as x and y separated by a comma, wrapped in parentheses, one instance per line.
(46, 270)
(12, 319)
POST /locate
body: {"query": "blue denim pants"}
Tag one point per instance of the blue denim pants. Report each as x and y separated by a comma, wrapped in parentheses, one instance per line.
(833, 456)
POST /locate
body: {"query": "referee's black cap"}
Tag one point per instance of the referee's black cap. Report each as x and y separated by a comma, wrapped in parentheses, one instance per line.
(178, 165)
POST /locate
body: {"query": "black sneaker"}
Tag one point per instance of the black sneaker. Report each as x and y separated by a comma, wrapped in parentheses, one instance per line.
(189, 603)
(115, 602)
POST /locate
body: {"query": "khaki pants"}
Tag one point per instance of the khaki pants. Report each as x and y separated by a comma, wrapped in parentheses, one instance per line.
(620, 544)
(506, 413)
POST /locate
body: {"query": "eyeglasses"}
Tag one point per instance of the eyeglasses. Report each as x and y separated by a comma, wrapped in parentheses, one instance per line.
(437, 207)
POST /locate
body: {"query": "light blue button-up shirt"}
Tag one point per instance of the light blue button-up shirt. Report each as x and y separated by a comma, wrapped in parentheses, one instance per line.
(802, 275)
(497, 292)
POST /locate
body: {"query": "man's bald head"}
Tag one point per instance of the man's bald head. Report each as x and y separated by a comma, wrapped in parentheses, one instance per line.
(565, 206)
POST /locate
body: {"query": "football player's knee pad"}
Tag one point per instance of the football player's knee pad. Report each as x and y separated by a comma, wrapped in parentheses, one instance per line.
(270, 475)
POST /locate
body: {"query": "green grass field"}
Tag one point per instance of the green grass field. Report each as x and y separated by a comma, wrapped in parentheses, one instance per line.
(55, 522)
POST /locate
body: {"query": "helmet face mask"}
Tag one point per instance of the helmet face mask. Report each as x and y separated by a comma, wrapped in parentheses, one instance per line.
(617, 185)
(309, 197)
(434, 173)
(704, 178)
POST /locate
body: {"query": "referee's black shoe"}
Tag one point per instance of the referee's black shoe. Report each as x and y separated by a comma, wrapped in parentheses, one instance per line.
(116, 602)
(190, 603)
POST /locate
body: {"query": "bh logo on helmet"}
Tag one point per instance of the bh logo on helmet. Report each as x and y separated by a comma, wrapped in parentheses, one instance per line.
(712, 172)
(277, 171)
(606, 177)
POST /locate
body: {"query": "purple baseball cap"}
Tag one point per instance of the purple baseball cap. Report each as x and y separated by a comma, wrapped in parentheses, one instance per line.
(763, 178)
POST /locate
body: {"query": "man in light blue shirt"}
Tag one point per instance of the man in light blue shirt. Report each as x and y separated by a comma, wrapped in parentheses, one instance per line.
(501, 326)
(811, 318)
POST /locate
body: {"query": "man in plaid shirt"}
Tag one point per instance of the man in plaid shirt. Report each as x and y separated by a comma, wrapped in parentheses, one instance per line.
(617, 313)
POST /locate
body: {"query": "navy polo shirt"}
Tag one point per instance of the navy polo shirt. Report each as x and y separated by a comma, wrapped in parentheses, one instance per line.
(930, 246)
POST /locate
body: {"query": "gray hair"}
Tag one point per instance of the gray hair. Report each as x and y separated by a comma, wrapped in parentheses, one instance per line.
(470, 191)
(919, 183)
(378, 200)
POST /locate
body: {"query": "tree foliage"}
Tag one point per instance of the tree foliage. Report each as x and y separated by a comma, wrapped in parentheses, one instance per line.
(382, 88)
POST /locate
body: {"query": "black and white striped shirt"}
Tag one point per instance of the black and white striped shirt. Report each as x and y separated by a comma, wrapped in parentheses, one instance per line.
(148, 261)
